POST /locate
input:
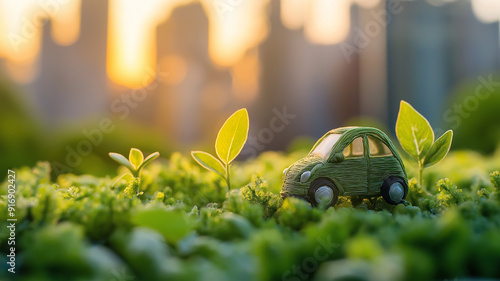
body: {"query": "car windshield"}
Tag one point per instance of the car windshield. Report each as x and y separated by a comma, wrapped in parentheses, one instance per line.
(324, 148)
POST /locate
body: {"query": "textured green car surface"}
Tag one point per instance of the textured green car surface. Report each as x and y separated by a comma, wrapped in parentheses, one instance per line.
(363, 175)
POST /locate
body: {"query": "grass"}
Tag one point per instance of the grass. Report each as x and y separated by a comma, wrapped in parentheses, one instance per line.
(185, 226)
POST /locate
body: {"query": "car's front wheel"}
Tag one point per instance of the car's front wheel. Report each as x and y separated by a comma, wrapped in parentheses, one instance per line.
(394, 190)
(322, 192)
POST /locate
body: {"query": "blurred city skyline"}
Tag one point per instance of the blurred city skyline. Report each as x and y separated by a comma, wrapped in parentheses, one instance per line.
(182, 66)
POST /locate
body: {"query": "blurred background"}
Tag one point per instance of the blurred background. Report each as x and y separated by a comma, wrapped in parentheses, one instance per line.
(79, 79)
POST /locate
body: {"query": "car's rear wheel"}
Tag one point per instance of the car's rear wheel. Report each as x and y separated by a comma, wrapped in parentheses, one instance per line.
(394, 190)
(322, 192)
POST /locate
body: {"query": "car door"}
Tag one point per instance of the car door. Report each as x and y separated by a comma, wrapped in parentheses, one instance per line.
(381, 163)
(352, 172)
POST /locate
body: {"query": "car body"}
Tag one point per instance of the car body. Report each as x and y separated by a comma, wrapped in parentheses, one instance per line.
(347, 161)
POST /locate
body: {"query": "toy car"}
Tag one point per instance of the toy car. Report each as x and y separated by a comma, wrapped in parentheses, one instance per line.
(348, 161)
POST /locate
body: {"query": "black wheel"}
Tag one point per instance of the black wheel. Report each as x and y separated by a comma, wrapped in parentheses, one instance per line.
(323, 192)
(394, 190)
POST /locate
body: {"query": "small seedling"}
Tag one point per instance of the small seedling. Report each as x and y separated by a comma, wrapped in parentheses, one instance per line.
(416, 137)
(135, 163)
(230, 140)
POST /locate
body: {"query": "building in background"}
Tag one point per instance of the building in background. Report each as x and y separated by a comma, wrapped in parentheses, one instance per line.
(210, 58)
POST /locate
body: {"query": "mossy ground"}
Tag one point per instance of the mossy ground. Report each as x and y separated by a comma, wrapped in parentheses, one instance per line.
(185, 226)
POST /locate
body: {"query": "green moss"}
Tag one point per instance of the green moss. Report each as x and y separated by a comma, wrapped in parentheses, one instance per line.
(80, 227)
(495, 179)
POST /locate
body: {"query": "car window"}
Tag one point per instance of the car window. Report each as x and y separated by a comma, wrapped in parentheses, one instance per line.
(324, 148)
(354, 149)
(378, 148)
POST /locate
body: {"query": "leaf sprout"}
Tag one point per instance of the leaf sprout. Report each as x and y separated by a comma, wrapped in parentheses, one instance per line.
(416, 137)
(135, 163)
(230, 140)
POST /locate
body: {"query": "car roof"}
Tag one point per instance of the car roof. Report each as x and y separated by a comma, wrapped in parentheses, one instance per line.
(349, 133)
(354, 130)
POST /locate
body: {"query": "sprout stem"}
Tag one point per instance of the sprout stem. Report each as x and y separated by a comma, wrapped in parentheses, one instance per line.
(420, 174)
(228, 177)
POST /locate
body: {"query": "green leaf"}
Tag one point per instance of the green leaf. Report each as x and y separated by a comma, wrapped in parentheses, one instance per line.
(173, 225)
(148, 159)
(439, 149)
(136, 158)
(209, 162)
(413, 131)
(232, 136)
(121, 160)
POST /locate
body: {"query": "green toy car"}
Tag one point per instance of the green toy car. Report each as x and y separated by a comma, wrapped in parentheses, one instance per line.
(348, 161)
